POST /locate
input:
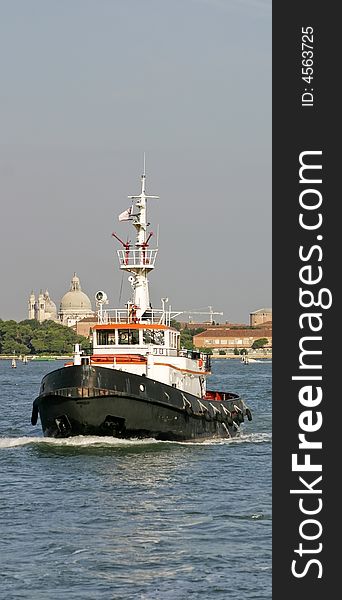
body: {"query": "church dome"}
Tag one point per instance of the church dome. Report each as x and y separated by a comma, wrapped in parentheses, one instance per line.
(75, 301)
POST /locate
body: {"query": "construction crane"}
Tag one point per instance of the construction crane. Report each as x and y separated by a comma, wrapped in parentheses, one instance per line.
(211, 312)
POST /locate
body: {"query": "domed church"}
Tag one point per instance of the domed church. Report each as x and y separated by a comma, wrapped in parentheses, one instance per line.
(42, 309)
(74, 306)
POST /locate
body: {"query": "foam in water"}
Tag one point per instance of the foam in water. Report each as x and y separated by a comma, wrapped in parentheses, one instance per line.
(84, 441)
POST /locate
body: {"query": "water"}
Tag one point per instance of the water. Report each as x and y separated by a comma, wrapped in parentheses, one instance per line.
(99, 518)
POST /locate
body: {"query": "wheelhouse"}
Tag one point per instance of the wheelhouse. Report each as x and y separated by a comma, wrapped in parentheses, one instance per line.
(135, 338)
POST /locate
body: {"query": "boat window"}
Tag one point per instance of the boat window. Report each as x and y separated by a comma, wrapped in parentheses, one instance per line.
(105, 337)
(151, 336)
(128, 336)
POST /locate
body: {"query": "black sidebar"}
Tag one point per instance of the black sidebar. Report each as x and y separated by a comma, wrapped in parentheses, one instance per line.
(307, 236)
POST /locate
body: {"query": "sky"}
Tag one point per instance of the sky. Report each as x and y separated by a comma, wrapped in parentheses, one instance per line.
(88, 86)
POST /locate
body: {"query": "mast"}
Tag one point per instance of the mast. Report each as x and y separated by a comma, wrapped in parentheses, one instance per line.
(140, 259)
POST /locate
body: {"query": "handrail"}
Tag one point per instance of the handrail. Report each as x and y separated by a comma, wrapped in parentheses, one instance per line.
(154, 316)
(137, 258)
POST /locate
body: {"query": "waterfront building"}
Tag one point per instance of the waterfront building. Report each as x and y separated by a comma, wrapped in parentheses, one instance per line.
(42, 308)
(229, 338)
(74, 306)
(260, 316)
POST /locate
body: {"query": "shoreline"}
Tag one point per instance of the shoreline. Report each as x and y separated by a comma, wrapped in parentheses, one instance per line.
(34, 358)
(236, 357)
(47, 357)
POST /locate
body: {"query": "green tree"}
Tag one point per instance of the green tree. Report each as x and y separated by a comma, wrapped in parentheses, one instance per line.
(260, 343)
(10, 346)
(32, 337)
(205, 350)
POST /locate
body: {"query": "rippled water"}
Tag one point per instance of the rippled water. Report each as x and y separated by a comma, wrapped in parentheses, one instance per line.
(101, 518)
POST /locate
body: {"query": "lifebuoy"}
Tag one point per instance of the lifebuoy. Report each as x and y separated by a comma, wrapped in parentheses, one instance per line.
(200, 363)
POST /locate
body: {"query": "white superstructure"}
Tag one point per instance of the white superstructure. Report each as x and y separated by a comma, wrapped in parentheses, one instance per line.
(138, 338)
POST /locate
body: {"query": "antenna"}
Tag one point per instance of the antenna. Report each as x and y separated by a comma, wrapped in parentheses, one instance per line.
(139, 259)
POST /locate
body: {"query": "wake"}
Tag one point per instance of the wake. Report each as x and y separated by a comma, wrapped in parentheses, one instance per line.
(97, 441)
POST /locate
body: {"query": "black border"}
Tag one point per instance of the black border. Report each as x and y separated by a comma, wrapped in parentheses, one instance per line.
(295, 129)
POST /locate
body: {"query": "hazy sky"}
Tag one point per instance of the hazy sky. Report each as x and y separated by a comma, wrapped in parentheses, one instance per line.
(86, 87)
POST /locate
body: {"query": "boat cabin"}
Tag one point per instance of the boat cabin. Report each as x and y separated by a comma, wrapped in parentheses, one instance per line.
(135, 338)
(148, 349)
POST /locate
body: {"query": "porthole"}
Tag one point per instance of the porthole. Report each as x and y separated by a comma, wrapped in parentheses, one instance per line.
(142, 387)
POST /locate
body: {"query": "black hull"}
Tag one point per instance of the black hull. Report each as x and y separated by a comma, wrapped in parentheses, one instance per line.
(87, 400)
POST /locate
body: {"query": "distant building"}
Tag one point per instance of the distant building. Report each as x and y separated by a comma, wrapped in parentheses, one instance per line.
(42, 308)
(74, 306)
(260, 316)
(228, 338)
(84, 326)
(237, 335)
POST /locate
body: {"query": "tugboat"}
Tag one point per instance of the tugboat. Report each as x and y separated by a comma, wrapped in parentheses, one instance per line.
(138, 382)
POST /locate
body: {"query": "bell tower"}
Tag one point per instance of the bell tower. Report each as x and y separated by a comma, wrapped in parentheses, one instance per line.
(41, 307)
(32, 306)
